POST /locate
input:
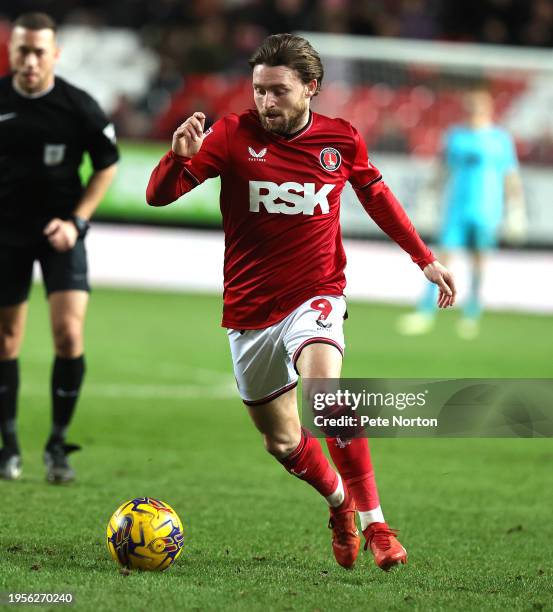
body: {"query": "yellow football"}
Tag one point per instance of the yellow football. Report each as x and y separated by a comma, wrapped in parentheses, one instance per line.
(145, 534)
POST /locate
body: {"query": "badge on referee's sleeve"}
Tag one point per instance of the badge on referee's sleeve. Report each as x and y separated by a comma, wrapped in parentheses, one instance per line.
(53, 154)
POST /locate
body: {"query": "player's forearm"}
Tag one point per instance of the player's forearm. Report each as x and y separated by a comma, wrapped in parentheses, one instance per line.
(383, 207)
(169, 180)
(95, 190)
(514, 194)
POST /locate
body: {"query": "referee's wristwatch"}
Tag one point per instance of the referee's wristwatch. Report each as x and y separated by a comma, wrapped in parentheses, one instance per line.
(81, 224)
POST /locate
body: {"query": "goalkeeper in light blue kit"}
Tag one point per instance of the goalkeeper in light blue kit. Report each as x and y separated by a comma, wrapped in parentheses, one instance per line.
(479, 171)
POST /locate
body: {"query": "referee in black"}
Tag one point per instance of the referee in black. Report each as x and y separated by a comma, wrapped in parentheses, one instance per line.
(46, 125)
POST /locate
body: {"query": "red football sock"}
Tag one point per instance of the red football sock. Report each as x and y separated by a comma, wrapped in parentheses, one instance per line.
(309, 463)
(353, 461)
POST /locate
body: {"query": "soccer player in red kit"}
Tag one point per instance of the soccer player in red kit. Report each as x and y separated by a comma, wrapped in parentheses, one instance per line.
(282, 169)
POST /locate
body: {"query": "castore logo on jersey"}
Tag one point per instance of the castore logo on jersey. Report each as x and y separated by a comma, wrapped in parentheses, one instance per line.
(257, 157)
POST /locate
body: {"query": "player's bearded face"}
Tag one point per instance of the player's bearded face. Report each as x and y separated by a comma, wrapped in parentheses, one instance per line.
(33, 55)
(281, 99)
(285, 121)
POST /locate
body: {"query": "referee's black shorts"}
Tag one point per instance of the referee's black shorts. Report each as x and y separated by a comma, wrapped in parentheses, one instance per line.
(60, 271)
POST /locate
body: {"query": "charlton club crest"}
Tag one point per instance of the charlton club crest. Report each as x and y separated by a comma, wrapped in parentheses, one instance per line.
(330, 159)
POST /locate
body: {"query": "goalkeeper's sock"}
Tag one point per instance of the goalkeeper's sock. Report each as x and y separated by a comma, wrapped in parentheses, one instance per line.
(309, 463)
(473, 306)
(428, 303)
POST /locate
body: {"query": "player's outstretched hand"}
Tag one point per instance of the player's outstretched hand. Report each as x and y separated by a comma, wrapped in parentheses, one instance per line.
(62, 235)
(189, 136)
(441, 276)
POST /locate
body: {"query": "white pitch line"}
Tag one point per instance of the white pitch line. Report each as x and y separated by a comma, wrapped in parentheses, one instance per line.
(176, 370)
(167, 370)
(115, 390)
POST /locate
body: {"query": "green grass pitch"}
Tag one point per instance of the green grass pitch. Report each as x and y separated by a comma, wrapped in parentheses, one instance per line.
(158, 418)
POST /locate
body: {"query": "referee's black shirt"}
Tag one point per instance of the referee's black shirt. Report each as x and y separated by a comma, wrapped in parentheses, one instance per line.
(42, 142)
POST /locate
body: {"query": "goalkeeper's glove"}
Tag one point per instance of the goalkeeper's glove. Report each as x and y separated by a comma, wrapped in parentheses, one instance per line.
(515, 225)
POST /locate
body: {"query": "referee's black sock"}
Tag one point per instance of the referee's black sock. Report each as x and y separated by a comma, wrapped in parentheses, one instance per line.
(9, 385)
(67, 377)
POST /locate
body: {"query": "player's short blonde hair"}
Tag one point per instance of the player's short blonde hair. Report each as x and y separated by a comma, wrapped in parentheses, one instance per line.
(292, 51)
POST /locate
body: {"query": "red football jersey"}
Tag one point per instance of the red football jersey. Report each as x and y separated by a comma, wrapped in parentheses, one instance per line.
(280, 201)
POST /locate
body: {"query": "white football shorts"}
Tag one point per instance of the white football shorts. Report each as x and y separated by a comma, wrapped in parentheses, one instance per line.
(264, 360)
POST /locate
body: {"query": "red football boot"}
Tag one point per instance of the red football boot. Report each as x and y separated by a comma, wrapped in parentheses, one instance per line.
(345, 536)
(384, 545)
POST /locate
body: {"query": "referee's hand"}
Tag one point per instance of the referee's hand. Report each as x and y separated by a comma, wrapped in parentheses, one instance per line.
(189, 136)
(62, 235)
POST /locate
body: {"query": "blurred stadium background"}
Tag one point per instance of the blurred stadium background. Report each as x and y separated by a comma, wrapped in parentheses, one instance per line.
(394, 68)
